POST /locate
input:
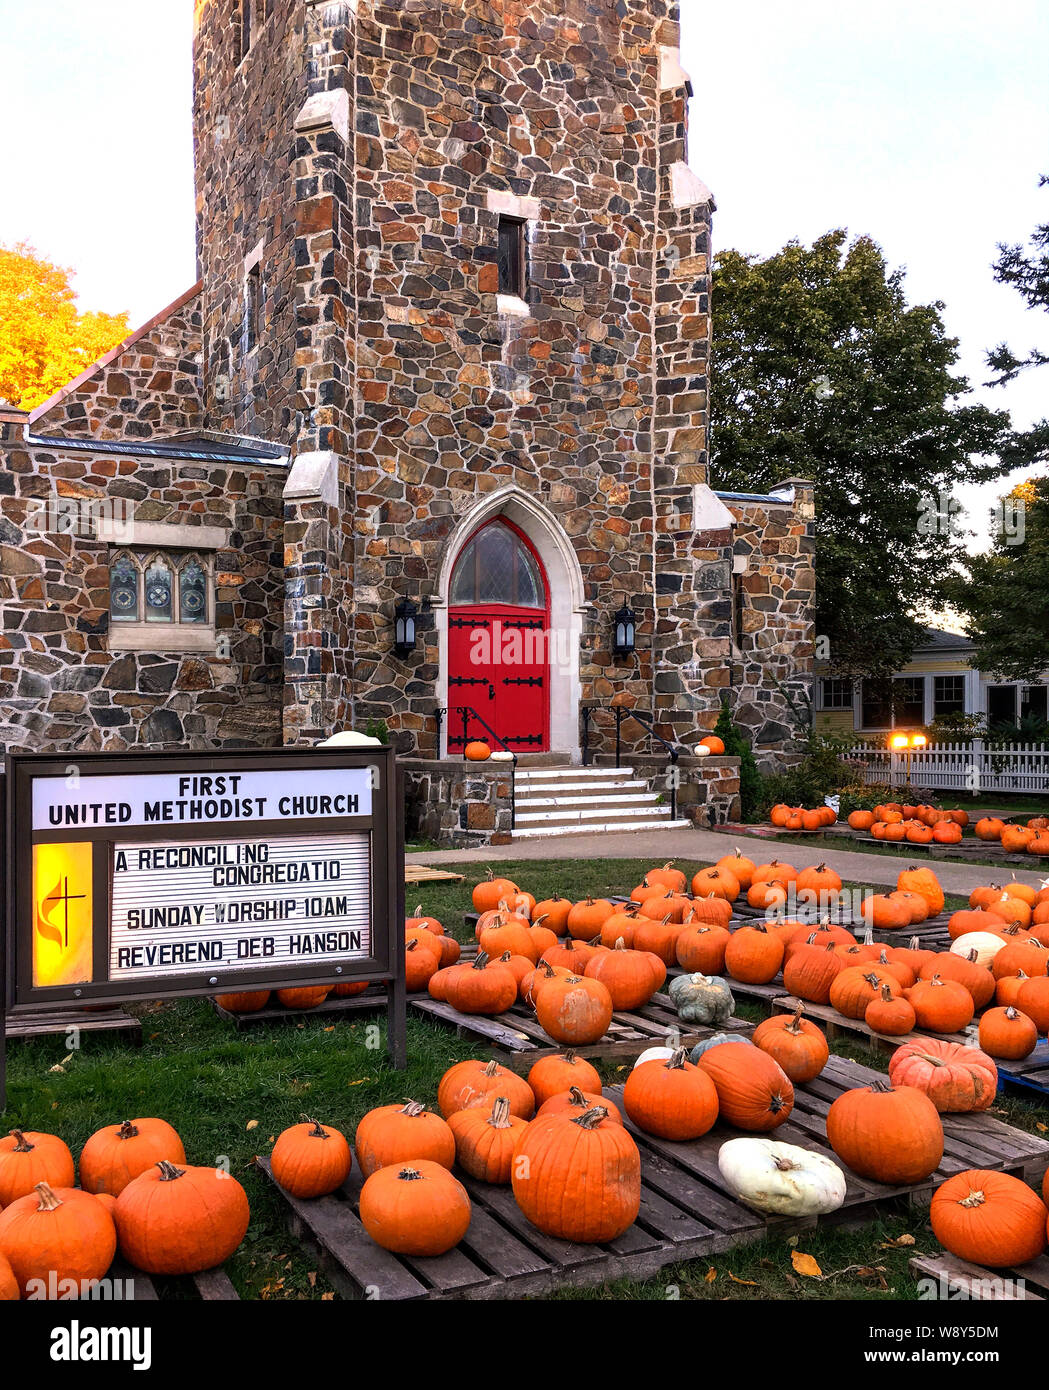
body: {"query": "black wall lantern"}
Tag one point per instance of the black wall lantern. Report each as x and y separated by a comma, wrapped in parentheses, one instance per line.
(623, 631)
(404, 627)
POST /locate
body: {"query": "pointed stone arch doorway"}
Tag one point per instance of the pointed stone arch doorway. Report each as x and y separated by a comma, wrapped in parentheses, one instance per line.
(511, 563)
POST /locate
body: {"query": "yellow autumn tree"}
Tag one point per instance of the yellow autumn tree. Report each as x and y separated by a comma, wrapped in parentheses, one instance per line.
(44, 339)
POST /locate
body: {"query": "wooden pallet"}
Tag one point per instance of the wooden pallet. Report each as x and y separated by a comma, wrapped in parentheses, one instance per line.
(1029, 1078)
(518, 1035)
(982, 851)
(277, 1013)
(1025, 1283)
(421, 873)
(836, 1025)
(211, 1285)
(686, 1211)
(43, 1023)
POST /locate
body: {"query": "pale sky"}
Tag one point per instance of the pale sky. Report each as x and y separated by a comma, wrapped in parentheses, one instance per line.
(924, 124)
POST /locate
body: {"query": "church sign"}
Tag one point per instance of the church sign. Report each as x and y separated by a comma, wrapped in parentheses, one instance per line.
(135, 876)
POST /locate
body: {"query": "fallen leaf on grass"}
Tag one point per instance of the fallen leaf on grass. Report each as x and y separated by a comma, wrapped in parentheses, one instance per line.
(897, 1243)
(360, 1082)
(710, 1275)
(1044, 1129)
(312, 1277)
(805, 1264)
(58, 1067)
(252, 1124)
(327, 1297)
(750, 1283)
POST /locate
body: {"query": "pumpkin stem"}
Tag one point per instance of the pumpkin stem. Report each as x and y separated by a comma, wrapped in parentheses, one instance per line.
(413, 1108)
(492, 1069)
(590, 1119)
(168, 1171)
(576, 1096)
(22, 1144)
(676, 1060)
(409, 1175)
(881, 1086)
(783, 1164)
(418, 910)
(505, 956)
(481, 961)
(794, 1025)
(570, 1057)
(620, 943)
(974, 1199)
(48, 1200)
(914, 944)
(127, 1131)
(540, 919)
(500, 1116)
(1011, 1013)
(318, 1131)
(886, 994)
(412, 944)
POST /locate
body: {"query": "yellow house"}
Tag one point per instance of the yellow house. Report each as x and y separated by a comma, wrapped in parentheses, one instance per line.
(938, 681)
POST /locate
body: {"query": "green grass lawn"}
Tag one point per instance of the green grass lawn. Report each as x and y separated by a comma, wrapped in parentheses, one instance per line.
(229, 1094)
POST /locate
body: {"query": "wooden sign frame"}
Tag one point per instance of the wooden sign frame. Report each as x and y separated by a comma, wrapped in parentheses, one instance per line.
(383, 825)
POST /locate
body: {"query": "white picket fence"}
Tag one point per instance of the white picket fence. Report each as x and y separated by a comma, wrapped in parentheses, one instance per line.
(961, 767)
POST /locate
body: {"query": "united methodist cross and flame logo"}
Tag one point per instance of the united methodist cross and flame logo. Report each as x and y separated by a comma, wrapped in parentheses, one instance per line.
(62, 915)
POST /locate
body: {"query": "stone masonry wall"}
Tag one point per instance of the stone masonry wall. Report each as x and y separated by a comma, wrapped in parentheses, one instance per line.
(146, 387)
(464, 110)
(63, 685)
(244, 109)
(779, 589)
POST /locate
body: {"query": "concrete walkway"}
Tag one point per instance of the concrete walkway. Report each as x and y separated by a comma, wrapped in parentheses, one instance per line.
(701, 847)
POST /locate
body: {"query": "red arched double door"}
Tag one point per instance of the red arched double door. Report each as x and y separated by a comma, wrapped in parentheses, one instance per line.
(498, 649)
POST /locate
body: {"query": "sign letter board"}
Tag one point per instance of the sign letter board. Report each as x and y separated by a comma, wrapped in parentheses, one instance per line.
(137, 876)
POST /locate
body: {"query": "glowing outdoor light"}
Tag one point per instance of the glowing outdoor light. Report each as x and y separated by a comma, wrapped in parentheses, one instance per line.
(918, 740)
(899, 741)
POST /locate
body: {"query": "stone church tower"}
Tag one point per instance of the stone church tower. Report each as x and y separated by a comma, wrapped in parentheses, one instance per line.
(447, 360)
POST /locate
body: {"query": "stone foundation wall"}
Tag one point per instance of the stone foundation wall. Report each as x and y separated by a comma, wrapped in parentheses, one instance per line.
(456, 803)
(708, 790)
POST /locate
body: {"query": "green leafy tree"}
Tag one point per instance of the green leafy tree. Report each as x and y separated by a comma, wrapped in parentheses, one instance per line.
(821, 369)
(1004, 592)
(1026, 270)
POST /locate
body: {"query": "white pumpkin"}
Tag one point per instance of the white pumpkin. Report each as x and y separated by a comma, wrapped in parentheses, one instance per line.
(654, 1054)
(985, 943)
(781, 1179)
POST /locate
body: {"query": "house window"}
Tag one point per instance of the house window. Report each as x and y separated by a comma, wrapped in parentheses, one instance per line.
(252, 306)
(908, 700)
(875, 705)
(1033, 703)
(896, 704)
(161, 599)
(512, 272)
(948, 695)
(836, 693)
(1001, 704)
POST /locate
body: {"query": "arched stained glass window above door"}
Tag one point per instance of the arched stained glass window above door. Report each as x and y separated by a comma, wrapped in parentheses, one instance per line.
(496, 566)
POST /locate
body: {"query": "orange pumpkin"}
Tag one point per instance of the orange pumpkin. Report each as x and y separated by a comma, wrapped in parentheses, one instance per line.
(891, 1135)
(473, 1083)
(483, 987)
(796, 1044)
(990, 1219)
(956, 1078)
(1007, 1033)
(27, 1158)
(485, 1140)
(810, 971)
(881, 911)
(311, 1160)
(754, 1092)
(668, 877)
(671, 1099)
(940, 1005)
(1032, 998)
(476, 751)
(631, 977)
(395, 1133)
(575, 1102)
(857, 985)
(861, 820)
(754, 955)
(722, 883)
(889, 1015)
(555, 1074)
(575, 1010)
(925, 882)
(714, 743)
(701, 948)
(487, 895)
(739, 866)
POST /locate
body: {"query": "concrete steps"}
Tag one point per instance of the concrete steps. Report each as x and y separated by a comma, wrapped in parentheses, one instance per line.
(581, 800)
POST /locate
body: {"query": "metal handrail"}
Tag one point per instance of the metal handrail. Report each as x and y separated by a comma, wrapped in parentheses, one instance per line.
(467, 712)
(646, 720)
